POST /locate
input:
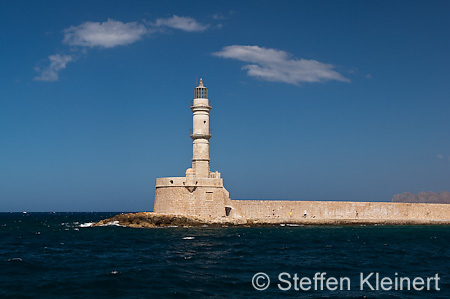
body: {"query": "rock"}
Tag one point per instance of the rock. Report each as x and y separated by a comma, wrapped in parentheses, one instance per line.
(147, 219)
(154, 220)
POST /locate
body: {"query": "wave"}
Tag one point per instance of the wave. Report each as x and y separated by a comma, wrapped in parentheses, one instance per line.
(87, 224)
(112, 223)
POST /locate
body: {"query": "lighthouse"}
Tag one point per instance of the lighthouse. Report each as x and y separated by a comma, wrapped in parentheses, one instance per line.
(201, 191)
(200, 131)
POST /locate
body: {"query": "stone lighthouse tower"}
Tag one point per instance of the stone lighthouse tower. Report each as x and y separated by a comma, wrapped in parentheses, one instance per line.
(200, 192)
(200, 131)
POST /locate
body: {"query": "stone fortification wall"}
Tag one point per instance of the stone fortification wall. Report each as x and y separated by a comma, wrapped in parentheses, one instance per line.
(339, 210)
(207, 198)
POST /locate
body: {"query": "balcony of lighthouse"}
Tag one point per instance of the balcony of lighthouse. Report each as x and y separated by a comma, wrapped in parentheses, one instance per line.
(200, 135)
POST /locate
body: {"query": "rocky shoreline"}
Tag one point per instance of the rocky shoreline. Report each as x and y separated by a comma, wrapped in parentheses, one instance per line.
(153, 220)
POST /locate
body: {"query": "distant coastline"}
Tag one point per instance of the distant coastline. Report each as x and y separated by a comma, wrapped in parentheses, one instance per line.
(423, 197)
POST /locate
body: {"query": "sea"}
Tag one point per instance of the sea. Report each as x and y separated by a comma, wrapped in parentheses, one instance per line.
(59, 255)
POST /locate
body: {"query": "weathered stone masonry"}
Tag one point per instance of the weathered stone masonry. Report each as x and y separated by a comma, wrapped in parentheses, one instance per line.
(201, 191)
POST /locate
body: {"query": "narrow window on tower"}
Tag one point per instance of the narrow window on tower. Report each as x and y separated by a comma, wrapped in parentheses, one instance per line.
(209, 196)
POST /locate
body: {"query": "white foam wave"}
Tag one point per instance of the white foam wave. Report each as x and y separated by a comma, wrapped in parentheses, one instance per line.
(87, 224)
(188, 238)
(113, 223)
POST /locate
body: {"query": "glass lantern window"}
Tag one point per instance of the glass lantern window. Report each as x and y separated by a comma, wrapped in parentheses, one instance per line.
(201, 93)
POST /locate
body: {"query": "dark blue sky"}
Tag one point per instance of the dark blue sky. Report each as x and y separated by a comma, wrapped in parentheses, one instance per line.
(312, 100)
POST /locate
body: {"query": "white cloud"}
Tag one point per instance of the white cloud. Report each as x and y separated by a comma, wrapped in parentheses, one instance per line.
(222, 16)
(442, 157)
(277, 65)
(107, 34)
(218, 16)
(57, 63)
(182, 23)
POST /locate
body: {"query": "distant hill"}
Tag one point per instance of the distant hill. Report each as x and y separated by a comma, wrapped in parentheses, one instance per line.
(423, 197)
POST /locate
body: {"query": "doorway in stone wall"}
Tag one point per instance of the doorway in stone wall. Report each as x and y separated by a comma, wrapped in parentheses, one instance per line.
(228, 211)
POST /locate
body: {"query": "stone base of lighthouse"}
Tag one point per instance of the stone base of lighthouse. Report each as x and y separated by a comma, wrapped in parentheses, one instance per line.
(190, 196)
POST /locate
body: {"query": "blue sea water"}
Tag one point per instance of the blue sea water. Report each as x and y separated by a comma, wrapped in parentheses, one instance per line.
(51, 255)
